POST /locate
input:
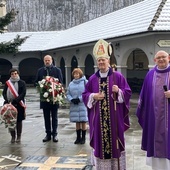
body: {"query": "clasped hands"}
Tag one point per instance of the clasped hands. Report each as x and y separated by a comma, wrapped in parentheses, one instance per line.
(75, 101)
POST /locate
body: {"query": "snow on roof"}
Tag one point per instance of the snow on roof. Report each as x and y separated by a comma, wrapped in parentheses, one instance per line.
(163, 21)
(37, 41)
(148, 15)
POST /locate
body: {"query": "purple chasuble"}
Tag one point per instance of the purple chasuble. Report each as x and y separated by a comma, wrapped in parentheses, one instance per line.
(153, 114)
(103, 118)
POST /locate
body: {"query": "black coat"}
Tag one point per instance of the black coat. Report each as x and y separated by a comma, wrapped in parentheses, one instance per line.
(21, 96)
(53, 72)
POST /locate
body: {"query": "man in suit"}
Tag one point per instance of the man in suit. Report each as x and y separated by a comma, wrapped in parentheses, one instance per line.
(50, 110)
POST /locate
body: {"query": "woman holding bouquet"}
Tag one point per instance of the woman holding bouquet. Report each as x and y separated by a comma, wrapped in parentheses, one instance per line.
(14, 93)
(78, 111)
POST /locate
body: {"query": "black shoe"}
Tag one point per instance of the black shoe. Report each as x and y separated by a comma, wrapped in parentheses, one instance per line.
(46, 139)
(82, 141)
(55, 139)
(77, 141)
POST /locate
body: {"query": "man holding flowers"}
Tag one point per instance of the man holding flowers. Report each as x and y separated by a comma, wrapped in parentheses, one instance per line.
(49, 80)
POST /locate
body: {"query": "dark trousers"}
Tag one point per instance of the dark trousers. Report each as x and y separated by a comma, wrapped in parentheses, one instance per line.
(50, 112)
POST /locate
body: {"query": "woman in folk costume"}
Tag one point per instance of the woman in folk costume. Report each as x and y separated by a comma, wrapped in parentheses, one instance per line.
(14, 92)
(107, 96)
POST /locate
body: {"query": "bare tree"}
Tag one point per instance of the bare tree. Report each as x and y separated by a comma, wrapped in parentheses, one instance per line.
(45, 15)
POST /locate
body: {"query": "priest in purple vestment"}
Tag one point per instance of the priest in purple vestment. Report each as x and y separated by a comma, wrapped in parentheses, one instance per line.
(107, 95)
(153, 113)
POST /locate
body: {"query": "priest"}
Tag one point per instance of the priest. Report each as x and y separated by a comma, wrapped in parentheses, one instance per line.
(107, 96)
(153, 113)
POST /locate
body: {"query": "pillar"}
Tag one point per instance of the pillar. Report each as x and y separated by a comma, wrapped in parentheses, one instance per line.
(122, 70)
(68, 75)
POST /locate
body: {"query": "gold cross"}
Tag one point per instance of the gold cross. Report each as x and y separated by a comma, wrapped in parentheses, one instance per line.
(103, 85)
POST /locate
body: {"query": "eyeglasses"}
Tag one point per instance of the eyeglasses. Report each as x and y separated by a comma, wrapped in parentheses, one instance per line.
(161, 57)
(12, 74)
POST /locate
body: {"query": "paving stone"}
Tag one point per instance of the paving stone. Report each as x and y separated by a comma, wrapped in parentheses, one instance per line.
(77, 162)
(32, 148)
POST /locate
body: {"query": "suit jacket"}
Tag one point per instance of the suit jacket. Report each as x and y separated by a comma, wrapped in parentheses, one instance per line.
(53, 72)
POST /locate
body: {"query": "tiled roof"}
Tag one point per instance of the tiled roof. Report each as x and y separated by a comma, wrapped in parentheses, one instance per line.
(163, 21)
(148, 15)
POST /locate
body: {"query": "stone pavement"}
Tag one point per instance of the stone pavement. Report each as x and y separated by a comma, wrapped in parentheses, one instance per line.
(33, 154)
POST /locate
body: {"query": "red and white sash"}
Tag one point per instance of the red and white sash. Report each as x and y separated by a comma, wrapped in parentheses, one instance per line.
(14, 92)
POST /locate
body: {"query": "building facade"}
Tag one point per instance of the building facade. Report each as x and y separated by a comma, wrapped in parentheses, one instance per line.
(135, 39)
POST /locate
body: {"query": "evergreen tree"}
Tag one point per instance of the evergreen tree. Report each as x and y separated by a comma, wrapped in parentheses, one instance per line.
(10, 46)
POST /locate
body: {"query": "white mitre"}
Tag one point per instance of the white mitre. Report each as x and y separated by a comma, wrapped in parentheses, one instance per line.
(102, 49)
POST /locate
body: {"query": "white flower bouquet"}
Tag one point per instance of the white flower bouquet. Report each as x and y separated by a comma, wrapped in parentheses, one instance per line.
(8, 116)
(51, 90)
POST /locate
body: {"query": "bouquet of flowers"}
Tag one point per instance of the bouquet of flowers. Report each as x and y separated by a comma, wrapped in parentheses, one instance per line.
(8, 116)
(51, 90)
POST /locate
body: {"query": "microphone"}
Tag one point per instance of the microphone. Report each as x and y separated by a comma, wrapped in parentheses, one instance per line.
(166, 89)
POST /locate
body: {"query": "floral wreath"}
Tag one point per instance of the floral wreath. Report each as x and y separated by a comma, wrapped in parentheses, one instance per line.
(8, 116)
(51, 90)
